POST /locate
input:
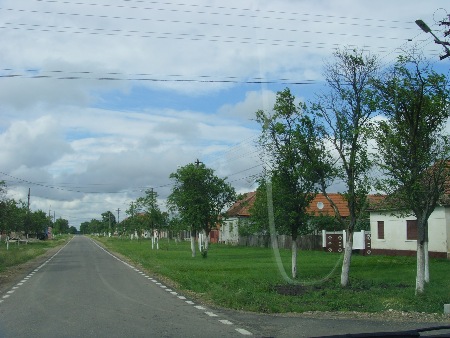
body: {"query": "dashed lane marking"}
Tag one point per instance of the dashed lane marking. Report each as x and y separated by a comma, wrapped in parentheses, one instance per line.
(244, 332)
(31, 274)
(165, 288)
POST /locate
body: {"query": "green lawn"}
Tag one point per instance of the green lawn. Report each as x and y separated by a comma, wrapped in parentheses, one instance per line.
(18, 254)
(248, 278)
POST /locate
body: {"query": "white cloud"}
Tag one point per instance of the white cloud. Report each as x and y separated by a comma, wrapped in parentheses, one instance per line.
(33, 144)
(254, 101)
(92, 144)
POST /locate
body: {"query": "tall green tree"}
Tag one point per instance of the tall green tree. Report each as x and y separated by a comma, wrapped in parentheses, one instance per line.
(199, 198)
(61, 226)
(344, 115)
(108, 221)
(288, 139)
(413, 147)
(153, 216)
(40, 221)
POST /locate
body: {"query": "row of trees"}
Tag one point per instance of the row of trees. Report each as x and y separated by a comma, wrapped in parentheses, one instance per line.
(16, 217)
(389, 122)
(142, 214)
(197, 204)
(367, 121)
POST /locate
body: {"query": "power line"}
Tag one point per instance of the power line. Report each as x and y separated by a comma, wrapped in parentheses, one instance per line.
(221, 8)
(112, 32)
(64, 75)
(197, 37)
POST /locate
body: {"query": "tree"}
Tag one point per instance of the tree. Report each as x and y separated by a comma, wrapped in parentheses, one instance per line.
(344, 116)
(40, 221)
(152, 213)
(413, 149)
(286, 137)
(61, 226)
(109, 221)
(198, 198)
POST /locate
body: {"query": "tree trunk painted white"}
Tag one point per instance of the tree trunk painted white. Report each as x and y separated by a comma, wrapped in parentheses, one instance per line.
(420, 276)
(426, 261)
(193, 245)
(294, 259)
(347, 259)
(206, 242)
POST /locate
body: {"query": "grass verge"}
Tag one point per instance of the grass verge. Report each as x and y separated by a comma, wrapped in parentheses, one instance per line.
(21, 253)
(247, 278)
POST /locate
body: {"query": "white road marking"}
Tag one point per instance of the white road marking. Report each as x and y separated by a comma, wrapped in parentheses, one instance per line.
(244, 332)
(199, 307)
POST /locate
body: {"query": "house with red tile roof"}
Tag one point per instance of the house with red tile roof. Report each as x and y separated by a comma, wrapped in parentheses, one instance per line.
(320, 206)
(229, 230)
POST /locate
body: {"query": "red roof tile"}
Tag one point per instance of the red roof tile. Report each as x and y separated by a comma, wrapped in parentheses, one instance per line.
(319, 205)
(242, 206)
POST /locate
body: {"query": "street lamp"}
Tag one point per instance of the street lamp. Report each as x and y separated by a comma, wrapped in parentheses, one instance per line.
(423, 26)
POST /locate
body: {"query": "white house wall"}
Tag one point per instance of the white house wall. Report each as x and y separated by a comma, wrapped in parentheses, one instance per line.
(229, 231)
(395, 231)
(447, 217)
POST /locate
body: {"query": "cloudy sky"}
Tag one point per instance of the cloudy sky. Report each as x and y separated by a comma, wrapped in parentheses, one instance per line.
(100, 100)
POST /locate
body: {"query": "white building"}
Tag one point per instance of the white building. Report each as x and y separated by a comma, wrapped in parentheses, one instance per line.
(393, 235)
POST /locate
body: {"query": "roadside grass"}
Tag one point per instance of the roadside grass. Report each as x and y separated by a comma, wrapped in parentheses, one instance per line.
(247, 278)
(18, 254)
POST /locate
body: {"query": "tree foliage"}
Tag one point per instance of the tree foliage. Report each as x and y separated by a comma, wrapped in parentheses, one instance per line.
(292, 146)
(199, 198)
(413, 148)
(344, 115)
(15, 216)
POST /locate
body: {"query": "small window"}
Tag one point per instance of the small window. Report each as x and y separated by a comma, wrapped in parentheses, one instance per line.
(380, 229)
(411, 230)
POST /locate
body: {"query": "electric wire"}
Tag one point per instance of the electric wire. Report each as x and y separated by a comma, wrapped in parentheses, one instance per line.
(221, 8)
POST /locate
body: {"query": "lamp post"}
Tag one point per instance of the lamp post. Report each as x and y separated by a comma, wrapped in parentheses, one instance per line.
(423, 26)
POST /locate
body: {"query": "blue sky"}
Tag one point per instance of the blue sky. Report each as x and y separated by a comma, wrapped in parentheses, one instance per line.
(85, 146)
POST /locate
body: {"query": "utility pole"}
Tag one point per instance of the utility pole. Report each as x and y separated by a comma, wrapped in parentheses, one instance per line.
(152, 212)
(118, 221)
(27, 226)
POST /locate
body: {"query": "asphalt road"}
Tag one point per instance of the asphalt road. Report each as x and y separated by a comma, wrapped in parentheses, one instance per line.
(84, 291)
